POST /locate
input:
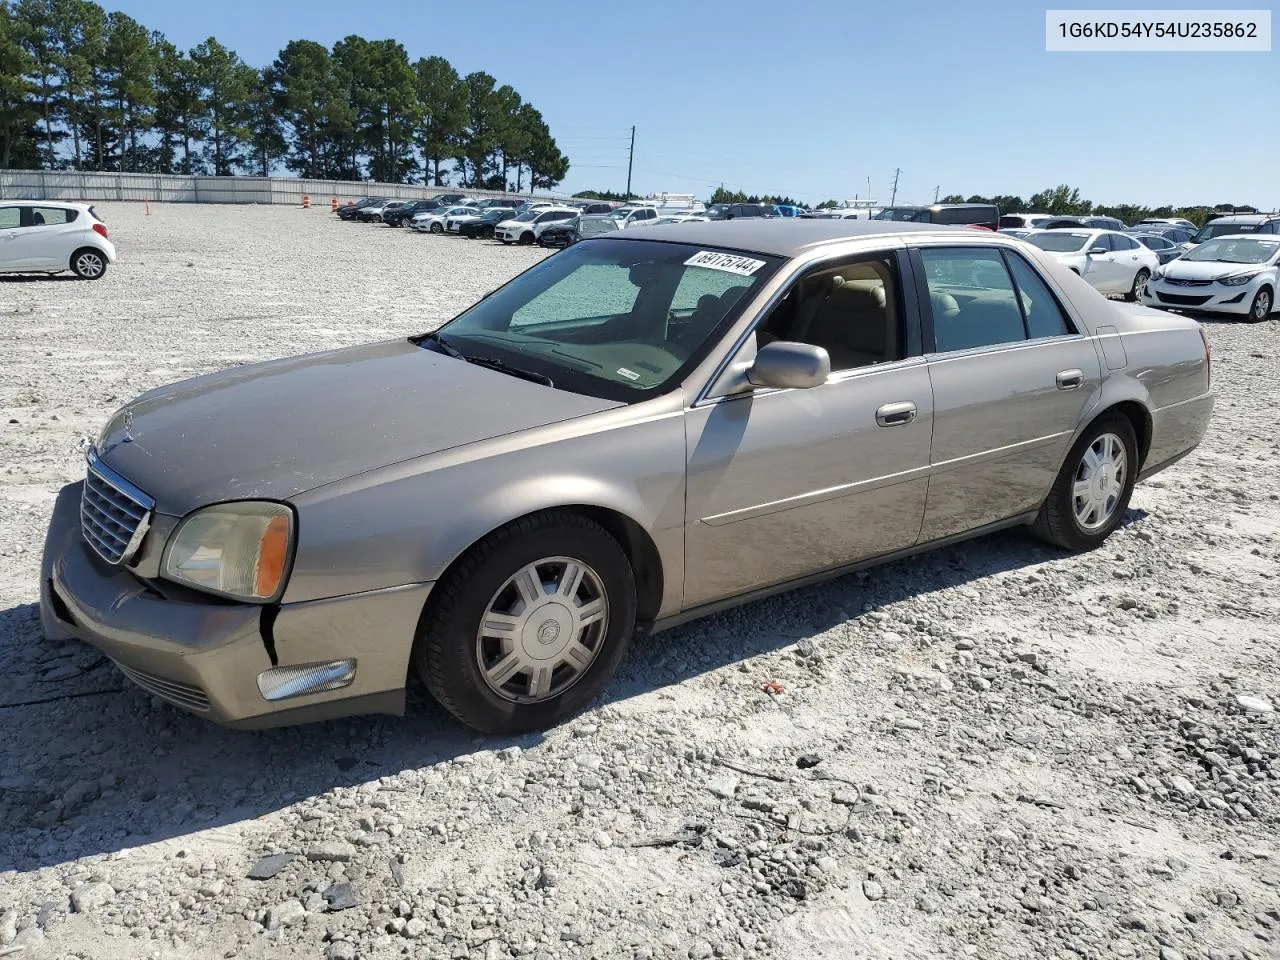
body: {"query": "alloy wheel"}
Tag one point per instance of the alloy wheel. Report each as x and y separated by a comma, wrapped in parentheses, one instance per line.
(1099, 482)
(1262, 305)
(89, 265)
(542, 630)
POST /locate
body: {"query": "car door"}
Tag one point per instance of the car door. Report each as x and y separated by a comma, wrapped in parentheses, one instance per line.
(1131, 256)
(783, 484)
(1104, 271)
(52, 236)
(14, 251)
(1011, 375)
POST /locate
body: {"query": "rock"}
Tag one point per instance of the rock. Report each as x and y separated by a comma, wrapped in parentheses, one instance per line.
(872, 890)
(602, 840)
(30, 941)
(509, 753)
(269, 866)
(701, 950)
(1183, 786)
(341, 896)
(906, 723)
(808, 760)
(1253, 704)
(724, 787)
(91, 896)
(1168, 953)
(415, 928)
(375, 839)
(8, 927)
(85, 791)
(340, 950)
(285, 914)
(333, 852)
(211, 888)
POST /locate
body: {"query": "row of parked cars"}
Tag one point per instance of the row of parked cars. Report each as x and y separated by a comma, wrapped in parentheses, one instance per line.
(1230, 265)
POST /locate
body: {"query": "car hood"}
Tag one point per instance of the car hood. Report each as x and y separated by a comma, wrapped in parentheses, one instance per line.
(272, 430)
(1208, 269)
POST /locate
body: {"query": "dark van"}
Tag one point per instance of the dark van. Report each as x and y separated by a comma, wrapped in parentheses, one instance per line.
(973, 214)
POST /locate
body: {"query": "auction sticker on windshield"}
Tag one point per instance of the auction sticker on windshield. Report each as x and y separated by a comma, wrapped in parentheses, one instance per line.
(742, 266)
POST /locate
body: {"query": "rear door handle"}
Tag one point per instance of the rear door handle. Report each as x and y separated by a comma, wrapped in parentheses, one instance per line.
(896, 414)
(1070, 379)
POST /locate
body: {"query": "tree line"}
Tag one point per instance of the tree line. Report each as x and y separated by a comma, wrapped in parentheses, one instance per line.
(84, 89)
(1064, 200)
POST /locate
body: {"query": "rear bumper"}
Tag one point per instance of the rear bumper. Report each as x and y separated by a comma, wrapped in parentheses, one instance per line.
(1176, 430)
(206, 655)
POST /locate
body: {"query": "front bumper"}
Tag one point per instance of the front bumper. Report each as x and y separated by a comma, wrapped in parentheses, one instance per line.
(205, 655)
(1214, 297)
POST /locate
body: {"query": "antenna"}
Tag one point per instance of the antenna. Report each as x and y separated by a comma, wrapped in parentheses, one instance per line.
(631, 153)
(935, 193)
(894, 197)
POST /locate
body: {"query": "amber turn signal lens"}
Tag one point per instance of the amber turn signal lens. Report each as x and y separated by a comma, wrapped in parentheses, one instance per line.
(273, 552)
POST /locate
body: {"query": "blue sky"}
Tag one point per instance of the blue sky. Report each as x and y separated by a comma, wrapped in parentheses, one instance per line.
(813, 97)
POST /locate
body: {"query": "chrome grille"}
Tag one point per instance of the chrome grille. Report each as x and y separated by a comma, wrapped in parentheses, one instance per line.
(183, 694)
(114, 514)
(1187, 283)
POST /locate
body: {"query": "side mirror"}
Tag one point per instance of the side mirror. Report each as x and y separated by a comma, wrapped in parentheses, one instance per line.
(785, 364)
(1094, 250)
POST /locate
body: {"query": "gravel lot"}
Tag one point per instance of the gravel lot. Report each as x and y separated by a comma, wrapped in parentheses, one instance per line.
(992, 751)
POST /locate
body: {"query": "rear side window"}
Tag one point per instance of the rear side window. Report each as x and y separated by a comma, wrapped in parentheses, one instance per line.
(51, 216)
(1012, 223)
(973, 300)
(1122, 243)
(1044, 315)
(10, 218)
(1103, 241)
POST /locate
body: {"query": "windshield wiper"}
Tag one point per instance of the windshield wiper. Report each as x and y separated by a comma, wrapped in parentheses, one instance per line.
(493, 363)
(445, 346)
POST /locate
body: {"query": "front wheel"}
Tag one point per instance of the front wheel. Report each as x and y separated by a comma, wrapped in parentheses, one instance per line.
(526, 238)
(1139, 285)
(437, 228)
(88, 264)
(529, 625)
(1092, 490)
(1260, 309)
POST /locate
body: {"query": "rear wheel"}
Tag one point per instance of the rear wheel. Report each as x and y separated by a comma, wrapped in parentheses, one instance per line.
(1092, 491)
(437, 228)
(526, 238)
(88, 264)
(1260, 309)
(529, 625)
(1139, 284)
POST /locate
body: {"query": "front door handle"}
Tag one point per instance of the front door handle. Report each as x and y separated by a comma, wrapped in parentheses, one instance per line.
(896, 414)
(1070, 379)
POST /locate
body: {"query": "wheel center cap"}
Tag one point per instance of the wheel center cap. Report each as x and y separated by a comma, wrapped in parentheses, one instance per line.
(547, 632)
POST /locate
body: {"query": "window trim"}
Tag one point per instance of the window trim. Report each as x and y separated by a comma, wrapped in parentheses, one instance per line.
(912, 315)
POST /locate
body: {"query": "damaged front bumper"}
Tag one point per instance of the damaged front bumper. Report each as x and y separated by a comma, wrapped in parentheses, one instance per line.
(215, 657)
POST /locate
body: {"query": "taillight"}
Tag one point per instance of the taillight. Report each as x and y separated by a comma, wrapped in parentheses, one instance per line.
(101, 230)
(1208, 357)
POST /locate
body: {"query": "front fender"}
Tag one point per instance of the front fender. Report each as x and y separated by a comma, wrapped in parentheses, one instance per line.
(407, 523)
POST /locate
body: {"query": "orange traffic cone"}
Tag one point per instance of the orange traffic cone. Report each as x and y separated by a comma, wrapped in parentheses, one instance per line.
(306, 202)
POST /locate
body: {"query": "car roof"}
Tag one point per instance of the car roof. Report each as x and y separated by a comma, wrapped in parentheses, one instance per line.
(1241, 218)
(787, 237)
(44, 203)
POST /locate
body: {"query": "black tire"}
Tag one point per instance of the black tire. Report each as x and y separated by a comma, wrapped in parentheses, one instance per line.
(437, 228)
(88, 264)
(488, 233)
(1263, 303)
(1139, 282)
(1057, 521)
(445, 649)
(526, 238)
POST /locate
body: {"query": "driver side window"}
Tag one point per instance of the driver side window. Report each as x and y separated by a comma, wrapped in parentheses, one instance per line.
(853, 311)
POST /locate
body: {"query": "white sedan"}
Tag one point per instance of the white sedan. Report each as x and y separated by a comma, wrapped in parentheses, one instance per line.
(434, 221)
(1112, 262)
(1234, 274)
(528, 227)
(38, 236)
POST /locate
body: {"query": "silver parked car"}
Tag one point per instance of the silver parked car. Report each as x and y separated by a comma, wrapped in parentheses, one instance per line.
(638, 430)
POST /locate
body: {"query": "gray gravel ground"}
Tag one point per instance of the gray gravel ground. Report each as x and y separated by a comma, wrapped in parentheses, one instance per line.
(990, 751)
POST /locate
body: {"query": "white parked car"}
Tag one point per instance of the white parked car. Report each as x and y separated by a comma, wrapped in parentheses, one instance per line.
(680, 218)
(40, 236)
(1237, 274)
(1167, 222)
(453, 222)
(1112, 262)
(433, 222)
(528, 227)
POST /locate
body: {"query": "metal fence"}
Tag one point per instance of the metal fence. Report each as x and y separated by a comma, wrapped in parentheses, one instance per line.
(176, 188)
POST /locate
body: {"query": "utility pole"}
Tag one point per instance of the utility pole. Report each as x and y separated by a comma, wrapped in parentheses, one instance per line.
(894, 195)
(631, 153)
(935, 192)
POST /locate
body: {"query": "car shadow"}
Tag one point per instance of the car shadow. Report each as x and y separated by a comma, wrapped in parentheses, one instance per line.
(37, 277)
(91, 765)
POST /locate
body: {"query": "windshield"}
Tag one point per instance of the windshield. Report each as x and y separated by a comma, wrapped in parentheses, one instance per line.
(1244, 250)
(623, 320)
(1211, 230)
(1058, 241)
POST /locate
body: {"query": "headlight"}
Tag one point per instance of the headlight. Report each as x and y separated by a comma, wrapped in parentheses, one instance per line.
(239, 550)
(1237, 281)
